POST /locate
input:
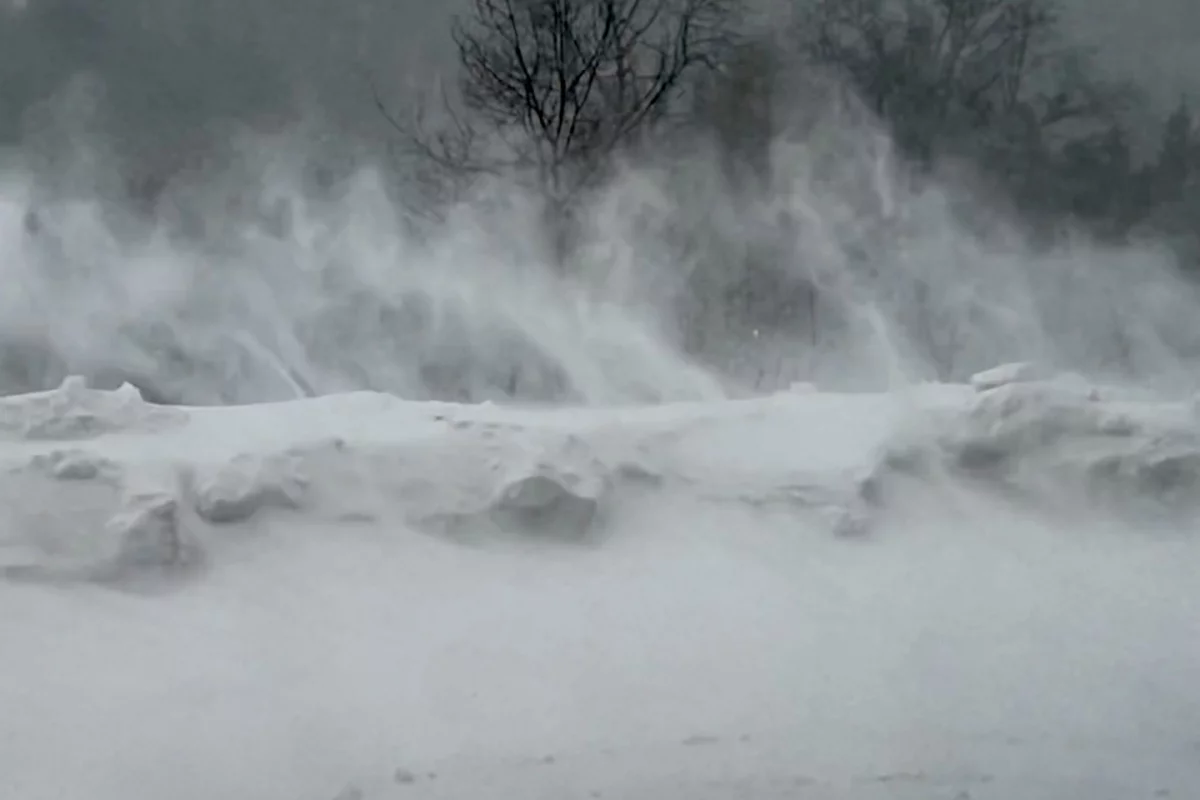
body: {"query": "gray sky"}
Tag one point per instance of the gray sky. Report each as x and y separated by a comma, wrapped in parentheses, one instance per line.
(170, 62)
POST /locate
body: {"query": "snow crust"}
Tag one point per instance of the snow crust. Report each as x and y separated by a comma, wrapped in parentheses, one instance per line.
(102, 485)
(133, 503)
(140, 487)
(1060, 441)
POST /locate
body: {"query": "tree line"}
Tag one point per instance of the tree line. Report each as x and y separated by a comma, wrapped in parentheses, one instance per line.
(558, 90)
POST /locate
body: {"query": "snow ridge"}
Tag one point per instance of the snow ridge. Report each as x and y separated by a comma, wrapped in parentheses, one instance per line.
(103, 487)
(1059, 441)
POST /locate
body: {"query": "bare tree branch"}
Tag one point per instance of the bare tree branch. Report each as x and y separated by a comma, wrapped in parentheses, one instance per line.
(932, 66)
(577, 80)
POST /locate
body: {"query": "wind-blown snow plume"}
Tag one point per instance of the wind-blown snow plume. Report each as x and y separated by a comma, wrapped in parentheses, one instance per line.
(915, 276)
(263, 272)
(282, 293)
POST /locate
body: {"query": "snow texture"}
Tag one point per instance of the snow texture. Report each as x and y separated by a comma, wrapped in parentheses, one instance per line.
(385, 599)
(1060, 441)
(473, 472)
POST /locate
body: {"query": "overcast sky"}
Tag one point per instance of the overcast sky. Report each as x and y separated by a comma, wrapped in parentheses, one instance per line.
(174, 62)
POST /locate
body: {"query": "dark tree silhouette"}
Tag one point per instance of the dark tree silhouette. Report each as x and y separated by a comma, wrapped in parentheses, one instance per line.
(566, 84)
(940, 70)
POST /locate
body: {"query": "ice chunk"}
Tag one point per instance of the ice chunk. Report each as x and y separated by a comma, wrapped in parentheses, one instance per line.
(239, 489)
(1017, 372)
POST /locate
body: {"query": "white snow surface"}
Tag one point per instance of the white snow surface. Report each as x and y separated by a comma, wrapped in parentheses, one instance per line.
(963, 592)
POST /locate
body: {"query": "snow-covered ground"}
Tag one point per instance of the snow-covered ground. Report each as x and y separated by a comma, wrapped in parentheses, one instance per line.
(963, 592)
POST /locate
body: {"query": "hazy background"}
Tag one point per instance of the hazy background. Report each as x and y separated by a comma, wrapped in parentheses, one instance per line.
(1155, 43)
(290, 259)
(171, 65)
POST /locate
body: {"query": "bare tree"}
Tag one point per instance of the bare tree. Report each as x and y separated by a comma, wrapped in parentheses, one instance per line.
(940, 68)
(566, 84)
(738, 104)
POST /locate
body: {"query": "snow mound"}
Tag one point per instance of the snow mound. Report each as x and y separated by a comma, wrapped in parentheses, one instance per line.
(102, 486)
(74, 411)
(74, 514)
(246, 485)
(558, 488)
(463, 482)
(75, 517)
(362, 597)
(143, 490)
(1062, 441)
(1017, 372)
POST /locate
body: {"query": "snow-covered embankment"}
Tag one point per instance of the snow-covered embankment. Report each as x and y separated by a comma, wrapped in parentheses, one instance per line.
(970, 591)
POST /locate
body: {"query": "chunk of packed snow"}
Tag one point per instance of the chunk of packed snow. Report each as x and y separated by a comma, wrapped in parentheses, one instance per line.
(1057, 441)
(74, 465)
(1018, 372)
(150, 534)
(238, 489)
(73, 411)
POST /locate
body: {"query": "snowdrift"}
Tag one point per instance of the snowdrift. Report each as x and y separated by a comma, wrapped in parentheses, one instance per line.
(102, 486)
(809, 594)
(1061, 444)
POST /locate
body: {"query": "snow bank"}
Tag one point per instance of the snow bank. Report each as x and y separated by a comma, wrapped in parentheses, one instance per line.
(103, 486)
(391, 600)
(99, 485)
(1060, 441)
(74, 411)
